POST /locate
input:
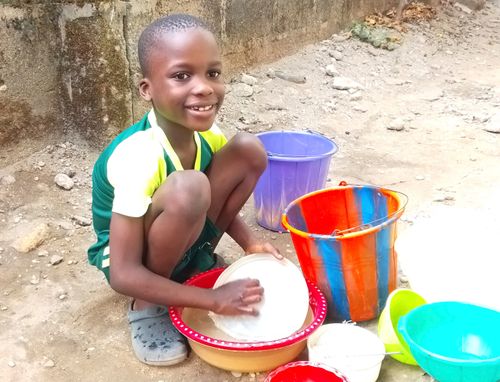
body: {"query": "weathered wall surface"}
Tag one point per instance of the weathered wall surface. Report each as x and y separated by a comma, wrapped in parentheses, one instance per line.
(71, 66)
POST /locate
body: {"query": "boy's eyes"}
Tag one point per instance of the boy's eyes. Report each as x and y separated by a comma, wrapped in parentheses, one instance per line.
(182, 76)
(214, 73)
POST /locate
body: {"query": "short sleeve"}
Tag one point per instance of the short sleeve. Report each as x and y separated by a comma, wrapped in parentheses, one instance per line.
(215, 138)
(135, 170)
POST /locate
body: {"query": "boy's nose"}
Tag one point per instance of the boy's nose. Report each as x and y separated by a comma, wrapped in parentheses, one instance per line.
(203, 87)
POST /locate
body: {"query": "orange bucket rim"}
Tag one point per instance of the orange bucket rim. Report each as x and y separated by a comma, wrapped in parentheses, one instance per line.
(400, 196)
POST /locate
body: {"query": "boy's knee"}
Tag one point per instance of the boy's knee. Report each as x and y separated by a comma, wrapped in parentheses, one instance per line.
(189, 193)
(251, 149)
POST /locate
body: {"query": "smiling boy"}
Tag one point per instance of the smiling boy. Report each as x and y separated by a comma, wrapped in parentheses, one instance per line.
(167, 188)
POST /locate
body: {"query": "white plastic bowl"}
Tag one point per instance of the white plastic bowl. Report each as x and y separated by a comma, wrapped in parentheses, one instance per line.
(355, 352)
(283, 308)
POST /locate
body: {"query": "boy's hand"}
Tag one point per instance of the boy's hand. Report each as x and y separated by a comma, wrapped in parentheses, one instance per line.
(264, 248)
(236, 297)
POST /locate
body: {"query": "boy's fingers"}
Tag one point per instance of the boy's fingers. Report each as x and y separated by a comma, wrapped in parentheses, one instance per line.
(256, 290)
(251, 299)
(249, 311)
(278, 255)
(252, 282)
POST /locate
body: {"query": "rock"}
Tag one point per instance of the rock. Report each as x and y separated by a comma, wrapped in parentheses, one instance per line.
(81, 220)
(65, 225)
(277, 105)
(431, 94)
(338, 56)
(463, 8)
(331, 70)
(397, 124)
(11, 363)
(43, 253)
(440, 198)
(394, 82)
(298, 79)
(475, 5)
(55, 259)
(493, 125)
(340, 38)
(35, 280)
(236, 374)
(482, 117)
(63, 296)
(248, 79)
(7, 179)
(42, 187)
(64, 181)
(344, 83)
(242, 90)
(356, 97)
(33, 239)
(271, 73)
(70, 172)
(420, 177)
(49, 363)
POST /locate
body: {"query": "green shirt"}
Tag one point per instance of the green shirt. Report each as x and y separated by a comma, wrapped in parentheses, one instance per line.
(133, 167)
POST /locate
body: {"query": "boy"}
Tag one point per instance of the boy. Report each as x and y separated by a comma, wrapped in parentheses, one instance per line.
(167, 188)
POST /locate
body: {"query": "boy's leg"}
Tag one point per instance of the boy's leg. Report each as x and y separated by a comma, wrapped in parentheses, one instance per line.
(233, 174)
(175, 219)
(172, 224)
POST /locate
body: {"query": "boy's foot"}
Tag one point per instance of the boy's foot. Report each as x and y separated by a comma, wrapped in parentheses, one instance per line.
(154, 338)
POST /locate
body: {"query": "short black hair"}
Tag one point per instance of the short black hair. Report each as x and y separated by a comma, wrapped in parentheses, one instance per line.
(154, 31)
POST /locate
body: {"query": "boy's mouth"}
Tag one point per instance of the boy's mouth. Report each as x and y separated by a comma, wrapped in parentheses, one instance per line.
(202, 108)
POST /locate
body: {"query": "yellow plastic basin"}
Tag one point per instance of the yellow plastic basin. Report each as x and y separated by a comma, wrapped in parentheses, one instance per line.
(399, 303)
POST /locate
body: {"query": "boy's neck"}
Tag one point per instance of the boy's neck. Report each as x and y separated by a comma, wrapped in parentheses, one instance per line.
(177, 135)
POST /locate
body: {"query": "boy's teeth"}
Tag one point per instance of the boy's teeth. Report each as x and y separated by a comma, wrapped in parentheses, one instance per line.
(202, 108)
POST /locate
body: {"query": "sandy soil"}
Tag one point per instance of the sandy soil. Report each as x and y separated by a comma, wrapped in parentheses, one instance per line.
(416, 124)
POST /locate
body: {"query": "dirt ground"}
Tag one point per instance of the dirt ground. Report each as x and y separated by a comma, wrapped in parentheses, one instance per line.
(415, 120)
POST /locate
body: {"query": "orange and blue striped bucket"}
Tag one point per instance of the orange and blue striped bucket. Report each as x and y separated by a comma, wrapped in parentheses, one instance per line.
(344, 238)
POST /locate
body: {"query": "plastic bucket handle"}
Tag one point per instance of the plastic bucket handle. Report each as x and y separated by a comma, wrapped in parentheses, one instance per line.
(373, 223)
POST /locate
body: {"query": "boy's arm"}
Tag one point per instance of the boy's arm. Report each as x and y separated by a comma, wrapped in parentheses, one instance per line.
(129, 276)
(243, 235)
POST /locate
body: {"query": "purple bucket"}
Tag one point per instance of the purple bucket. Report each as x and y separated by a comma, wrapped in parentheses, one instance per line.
(298, 164)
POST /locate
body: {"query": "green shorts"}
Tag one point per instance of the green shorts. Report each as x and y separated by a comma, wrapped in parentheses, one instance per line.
(200, 257)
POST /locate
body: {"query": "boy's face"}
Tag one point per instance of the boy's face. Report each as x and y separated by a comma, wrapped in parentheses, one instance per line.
(184, 81)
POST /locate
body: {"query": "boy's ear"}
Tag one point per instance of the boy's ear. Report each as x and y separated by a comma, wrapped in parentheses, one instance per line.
(145, 89)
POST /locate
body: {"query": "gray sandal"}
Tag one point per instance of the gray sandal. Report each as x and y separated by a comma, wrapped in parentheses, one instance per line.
(154, 338)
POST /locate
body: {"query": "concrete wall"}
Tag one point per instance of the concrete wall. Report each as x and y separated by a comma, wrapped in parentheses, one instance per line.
(71, 66)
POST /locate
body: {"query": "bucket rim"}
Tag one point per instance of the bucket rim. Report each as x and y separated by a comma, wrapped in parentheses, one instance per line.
(300, 158)
(403, 199)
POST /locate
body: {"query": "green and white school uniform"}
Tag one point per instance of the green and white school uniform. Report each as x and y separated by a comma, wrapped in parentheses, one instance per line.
(127, 174)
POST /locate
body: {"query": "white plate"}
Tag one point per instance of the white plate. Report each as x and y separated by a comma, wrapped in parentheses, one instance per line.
(283, 308)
